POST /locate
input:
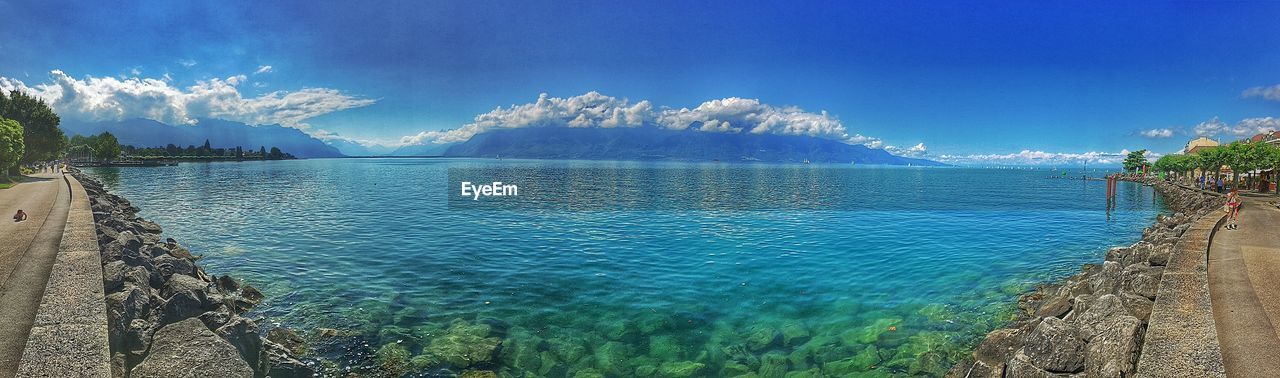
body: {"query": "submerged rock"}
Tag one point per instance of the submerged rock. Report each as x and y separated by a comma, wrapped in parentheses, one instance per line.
(665, 348)
(682, 369)
(464, 345)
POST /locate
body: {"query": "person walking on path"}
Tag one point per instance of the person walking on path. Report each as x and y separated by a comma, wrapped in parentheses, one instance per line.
(1221, 184)
(1233, 209)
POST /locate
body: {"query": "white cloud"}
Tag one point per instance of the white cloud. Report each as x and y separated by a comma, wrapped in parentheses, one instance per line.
(1271, 93)
(108, 98)
(1157, 133)
(917, 150)
(1245, 128)
(262, 70)
(1255, 126)
(1029, 157)
(1210, 127)
(187, 62)
(593, 109)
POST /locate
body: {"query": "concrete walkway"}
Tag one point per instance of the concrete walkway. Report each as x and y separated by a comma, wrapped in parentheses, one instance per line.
(27, 253)
(1244, 283)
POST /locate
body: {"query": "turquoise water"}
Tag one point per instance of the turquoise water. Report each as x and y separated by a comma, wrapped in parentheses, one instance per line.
(822, 269)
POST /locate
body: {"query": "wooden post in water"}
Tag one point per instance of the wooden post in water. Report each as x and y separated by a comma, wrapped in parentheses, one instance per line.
(1112, 181)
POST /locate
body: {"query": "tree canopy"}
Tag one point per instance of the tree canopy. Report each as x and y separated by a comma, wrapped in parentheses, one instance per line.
(11, 144)
(1135, 160)
(106, 148)
(41, 137)
(102, 147)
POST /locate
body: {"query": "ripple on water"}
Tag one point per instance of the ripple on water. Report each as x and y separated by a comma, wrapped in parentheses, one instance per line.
(906, 284)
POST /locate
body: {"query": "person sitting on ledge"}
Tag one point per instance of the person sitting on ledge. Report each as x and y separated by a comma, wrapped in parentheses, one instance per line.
(20, 216)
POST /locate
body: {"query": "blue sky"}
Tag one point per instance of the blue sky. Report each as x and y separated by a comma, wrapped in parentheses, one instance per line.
(963, 78)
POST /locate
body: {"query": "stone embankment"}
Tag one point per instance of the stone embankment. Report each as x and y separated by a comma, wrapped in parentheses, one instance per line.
(166, 317)
(1093, 324)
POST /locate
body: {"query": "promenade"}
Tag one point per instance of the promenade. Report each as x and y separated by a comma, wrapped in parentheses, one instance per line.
(1244, 282)
(27, 253)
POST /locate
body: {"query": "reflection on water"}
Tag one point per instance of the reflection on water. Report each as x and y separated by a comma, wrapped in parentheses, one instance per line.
(899, 272)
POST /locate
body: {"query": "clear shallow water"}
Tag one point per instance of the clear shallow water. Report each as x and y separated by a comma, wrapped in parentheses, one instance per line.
(870, 270)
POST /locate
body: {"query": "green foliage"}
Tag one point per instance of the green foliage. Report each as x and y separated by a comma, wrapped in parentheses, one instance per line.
(1172, 163)
(11, 144)
(1211, 160)
(1135, 160)
(41, 137)
(106, 147)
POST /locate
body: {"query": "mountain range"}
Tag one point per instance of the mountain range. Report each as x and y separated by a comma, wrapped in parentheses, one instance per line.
(651, 143)
(639, 143)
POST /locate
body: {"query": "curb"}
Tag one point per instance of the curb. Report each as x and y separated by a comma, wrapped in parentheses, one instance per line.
(69, 335)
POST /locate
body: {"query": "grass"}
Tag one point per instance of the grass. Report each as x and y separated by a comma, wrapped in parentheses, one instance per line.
(7, 181)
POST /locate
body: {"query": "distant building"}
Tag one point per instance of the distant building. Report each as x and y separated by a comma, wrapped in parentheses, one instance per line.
(1200, 144)
(1272, 137)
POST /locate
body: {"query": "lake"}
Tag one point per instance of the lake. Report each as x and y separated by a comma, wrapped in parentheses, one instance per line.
(636, 268)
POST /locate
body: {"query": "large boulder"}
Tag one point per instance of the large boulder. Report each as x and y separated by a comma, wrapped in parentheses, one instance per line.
(280, 364)
(1107, 279)
(1113, 352)
(184, 305)
(1143, 279)
(999, 346)
(243, 335)
(180, 282)
(1100, 309)
(123, 308)
(1055, 346)
(113, 274)
(1020, 366)
(169, 265)
(188, 349)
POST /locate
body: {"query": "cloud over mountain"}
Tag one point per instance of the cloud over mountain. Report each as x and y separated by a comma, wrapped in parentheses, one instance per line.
(114, 99)
(916, 151)
(1029, 157)
(728, 115)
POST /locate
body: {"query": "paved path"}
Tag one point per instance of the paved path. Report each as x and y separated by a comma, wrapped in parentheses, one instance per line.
(1244, 283)
(27, 252)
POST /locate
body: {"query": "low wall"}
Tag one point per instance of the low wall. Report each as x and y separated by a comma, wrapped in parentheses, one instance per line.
(1182, 340)
(69, 335)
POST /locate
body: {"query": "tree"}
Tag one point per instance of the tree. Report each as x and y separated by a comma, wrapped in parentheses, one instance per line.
(1242, 157)
(40, 134)
(1269, 157)
(1135, 160)
(11, 144)
(1211, 160)
(276, 154)
(106, 147)
(1173, 163)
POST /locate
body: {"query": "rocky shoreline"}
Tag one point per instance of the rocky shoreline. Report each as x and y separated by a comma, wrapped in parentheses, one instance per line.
(166, 316)
(1092, 324)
